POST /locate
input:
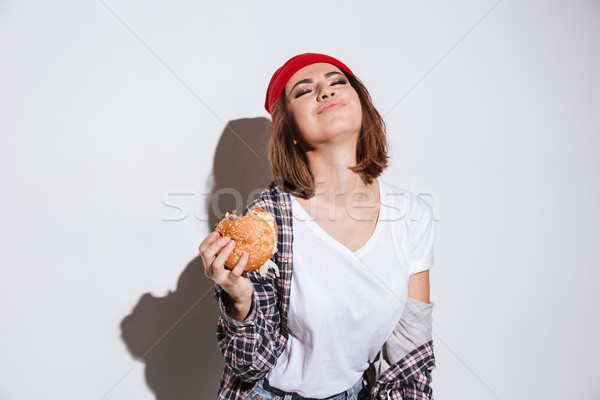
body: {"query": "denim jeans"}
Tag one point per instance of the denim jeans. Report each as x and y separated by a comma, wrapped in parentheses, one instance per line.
(259, 393)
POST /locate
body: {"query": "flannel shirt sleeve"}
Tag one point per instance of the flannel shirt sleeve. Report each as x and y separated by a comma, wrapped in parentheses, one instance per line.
(250, 347)
(409, 378)
(403, 367)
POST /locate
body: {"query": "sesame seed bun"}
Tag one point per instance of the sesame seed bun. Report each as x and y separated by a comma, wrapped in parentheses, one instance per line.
(255, 233)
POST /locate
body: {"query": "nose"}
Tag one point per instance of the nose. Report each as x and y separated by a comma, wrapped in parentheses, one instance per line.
(325, 93)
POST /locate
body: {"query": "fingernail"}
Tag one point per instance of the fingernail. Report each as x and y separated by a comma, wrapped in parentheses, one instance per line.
(231, 244)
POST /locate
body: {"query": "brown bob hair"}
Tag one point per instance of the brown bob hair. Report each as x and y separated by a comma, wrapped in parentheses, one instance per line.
(289, 164)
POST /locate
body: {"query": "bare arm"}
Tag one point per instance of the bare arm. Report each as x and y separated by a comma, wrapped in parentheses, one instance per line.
(418, 286)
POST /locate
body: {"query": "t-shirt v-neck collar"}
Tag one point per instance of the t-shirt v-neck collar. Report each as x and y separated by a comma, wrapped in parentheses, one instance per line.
(305, 217)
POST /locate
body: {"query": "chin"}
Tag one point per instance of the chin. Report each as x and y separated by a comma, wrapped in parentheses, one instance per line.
(344, 124)
(341, 132)
(340, 125)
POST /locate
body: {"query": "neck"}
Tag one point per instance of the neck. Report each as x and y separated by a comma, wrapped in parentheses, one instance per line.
(333, 178)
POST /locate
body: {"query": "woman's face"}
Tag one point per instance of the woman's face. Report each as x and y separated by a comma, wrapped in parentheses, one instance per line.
(323, 104)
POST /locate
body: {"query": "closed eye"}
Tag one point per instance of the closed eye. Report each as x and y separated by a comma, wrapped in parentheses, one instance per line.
(301, 93)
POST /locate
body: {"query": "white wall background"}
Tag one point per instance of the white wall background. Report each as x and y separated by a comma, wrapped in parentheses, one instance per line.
(109, 106)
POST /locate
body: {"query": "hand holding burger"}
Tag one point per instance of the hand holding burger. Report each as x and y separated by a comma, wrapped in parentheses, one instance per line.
(234, 282)
(237, 245)
(256, 234)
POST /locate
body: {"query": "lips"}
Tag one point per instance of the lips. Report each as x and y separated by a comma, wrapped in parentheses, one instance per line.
(330, 105)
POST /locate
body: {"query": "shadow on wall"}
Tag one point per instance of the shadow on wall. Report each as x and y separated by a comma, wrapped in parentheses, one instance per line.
(241, 167)
(175, 335)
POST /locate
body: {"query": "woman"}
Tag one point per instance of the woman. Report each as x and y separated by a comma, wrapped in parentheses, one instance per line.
(349, 315)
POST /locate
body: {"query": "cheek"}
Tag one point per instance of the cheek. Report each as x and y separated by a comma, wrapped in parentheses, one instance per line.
(356, 112)
(301, 117)
(353, 98)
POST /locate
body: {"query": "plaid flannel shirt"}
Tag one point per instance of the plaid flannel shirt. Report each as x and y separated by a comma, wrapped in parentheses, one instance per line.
(251, 347)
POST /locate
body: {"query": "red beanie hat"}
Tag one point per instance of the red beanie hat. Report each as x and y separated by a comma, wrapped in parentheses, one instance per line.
(281, 77)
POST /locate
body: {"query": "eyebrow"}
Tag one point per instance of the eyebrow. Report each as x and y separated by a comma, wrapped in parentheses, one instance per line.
(327, 75)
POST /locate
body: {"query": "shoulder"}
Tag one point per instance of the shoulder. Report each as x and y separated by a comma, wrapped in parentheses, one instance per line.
(271, 199)
(402, 200)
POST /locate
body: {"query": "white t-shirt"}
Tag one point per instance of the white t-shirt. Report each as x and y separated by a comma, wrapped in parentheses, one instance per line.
(345, 304)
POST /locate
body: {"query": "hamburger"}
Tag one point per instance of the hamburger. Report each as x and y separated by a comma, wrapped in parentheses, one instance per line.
(256, 234)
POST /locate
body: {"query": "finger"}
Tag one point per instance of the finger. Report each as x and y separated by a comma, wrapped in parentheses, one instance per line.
(208, 240)
(209, 255)
(219, 263)
(238, 270)
(216, 246)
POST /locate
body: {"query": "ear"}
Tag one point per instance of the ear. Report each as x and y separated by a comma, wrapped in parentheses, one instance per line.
(295, 142)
